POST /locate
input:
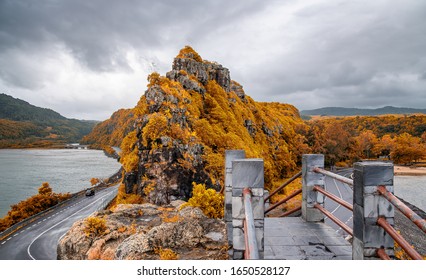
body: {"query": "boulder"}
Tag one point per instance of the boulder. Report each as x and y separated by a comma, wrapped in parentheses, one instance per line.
(139, 231)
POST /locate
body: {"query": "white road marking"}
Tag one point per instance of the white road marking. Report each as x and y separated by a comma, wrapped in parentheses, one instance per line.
(16, 234)
(8, 238)
(3, 242)
(29, 246)
(340, 194)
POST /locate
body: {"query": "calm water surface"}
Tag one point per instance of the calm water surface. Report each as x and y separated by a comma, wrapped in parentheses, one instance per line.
(23, 171)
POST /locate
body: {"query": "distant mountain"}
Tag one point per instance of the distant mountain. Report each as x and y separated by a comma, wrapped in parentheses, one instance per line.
(26, 125)
(340, 111)
(19, 110)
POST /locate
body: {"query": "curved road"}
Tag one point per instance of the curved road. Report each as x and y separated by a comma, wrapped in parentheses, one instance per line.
(345, 192)
(38, 240)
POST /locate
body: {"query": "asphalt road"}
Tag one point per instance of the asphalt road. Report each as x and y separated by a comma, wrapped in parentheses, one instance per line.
(345, 192)
(38, 240)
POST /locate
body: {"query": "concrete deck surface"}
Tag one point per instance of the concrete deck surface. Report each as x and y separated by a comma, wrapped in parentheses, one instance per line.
(291, 238)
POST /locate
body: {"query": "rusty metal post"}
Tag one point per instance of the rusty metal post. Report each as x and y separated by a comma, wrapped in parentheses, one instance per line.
(399, 239)
(230, 155)
(310, 179)
(368, 206)
(252, 251)
(247, 173)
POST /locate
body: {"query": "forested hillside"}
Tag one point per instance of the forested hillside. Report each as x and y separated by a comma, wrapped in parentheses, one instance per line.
(340, 111)
(23, 125)
(345, 140)
(111, 131)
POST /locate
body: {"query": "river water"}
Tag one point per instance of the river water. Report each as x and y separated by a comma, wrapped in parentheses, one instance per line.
(23, 171)
(412, 189)
(66, 170)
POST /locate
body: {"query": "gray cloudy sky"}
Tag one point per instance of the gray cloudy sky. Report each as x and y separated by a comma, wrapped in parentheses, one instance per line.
(86, 59)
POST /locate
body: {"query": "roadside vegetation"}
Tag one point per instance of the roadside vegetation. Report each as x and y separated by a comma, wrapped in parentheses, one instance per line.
(44, 199)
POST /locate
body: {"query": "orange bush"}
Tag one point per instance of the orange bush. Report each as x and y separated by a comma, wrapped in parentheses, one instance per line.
(45, 199)
(94, 226)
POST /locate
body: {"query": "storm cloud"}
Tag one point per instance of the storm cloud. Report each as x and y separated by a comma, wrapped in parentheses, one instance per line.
(87, 59)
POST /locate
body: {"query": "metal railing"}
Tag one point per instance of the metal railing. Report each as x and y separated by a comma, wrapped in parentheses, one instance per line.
(297, 175)
(284, 200)
(334, 198)
(12, 229)
(410, 214)
(338, 177)
(404, 209)
(251, 249)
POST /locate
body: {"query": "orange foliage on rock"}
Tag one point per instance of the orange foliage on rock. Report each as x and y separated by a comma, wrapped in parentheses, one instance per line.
(188, 52)
(112, 131)
(209, 115)
(129, 152)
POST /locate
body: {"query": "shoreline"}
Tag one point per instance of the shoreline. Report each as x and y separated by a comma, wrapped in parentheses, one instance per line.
(400, 170)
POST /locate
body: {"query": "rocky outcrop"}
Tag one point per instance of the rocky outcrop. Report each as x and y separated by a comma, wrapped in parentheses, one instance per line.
(202, 71)
(141, 231)
(187, 119)
(167, 169)
(238, 89)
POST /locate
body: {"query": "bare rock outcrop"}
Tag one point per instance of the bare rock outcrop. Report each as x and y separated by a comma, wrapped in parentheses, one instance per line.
(202, 70)
(141, 231)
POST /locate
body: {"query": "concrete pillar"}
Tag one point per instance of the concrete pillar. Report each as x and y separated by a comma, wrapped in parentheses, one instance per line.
(309, 180)
(230, 155)
(247, 173)
(368, 206)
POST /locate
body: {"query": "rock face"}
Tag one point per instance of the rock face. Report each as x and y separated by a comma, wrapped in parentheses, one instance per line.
(168, 171)
(142, 231)
(203, 71)
(173, 180)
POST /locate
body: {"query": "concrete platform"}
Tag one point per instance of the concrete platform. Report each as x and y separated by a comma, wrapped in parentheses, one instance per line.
(291, 238)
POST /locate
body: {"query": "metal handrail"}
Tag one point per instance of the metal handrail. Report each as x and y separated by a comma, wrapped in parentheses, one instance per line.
(410, 214)
(399, 239)
(381, 253)
(333, 197)
(289, 212)
(298, 174)
(284, 200)
(334, 219)
(334, 176)
(252, 251)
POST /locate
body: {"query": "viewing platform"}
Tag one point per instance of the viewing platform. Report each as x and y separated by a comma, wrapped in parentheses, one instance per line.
(292, 238)
(371, 206)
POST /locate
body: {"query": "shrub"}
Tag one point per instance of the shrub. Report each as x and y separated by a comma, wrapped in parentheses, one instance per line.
(208, 200)
(94, 226)
(166, 254)
(45, 199)
(189, 52)
(124, 198)
(94, 181)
